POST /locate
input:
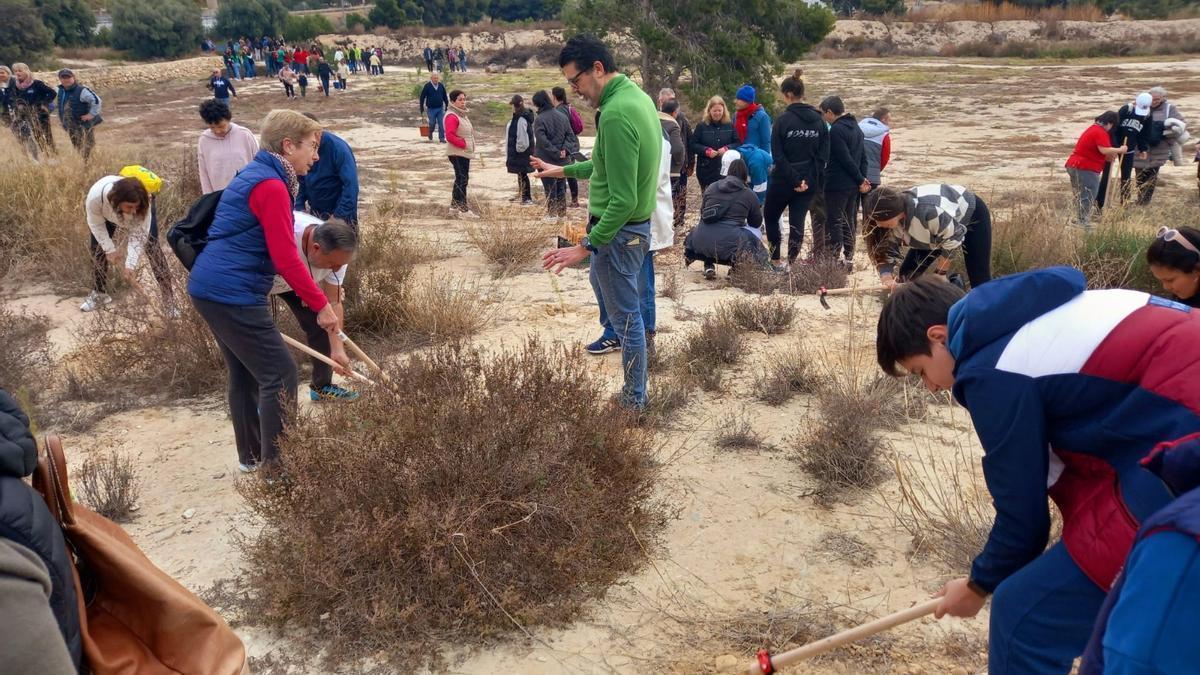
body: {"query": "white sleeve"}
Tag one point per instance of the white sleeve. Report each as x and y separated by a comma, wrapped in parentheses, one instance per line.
(93, 208)
(137, 241)
(337, 277)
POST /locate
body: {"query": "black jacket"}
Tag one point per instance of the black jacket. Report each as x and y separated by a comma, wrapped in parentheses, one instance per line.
(33, 101)
(800, 146)
(847, 167)
(1133, 131)
(323, 70)
(6, 102)
(705, 136)
(731, 201)
(551, 135)
(517, 161)
(434, 97)
(26, 521)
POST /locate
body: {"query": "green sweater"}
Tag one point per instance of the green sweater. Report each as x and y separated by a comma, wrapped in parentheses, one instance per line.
(624, 165)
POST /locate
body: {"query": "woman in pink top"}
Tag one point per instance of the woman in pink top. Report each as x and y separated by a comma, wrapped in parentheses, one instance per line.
(224, 148)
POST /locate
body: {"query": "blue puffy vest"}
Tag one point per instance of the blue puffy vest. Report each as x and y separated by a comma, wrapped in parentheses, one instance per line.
(235, 268)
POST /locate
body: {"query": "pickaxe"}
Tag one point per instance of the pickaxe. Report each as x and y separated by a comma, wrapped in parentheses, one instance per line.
(822, 292)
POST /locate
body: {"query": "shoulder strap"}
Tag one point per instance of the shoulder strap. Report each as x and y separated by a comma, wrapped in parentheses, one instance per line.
(50, 480)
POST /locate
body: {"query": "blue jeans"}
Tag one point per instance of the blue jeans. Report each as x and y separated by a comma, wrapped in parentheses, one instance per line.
(224, 100)
(645, 290)
(615, 274)
(436, 116)
(1042, 616)
(237, 70)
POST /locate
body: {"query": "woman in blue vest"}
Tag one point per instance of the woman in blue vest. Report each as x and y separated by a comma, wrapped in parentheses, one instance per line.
(252, 238)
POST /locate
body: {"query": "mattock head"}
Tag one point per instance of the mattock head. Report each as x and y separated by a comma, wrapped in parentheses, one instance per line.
(821, 292)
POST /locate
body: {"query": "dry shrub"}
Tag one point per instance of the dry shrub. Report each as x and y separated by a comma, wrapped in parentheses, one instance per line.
(847, 548)
(943, 505)
(495, 491)
(900, 400)
(801, 279)
(510, 242)
(786, 374)
(771, 315)
(666, 396)
(843, 451)
(736, 432)
(988, 12)
(441, 309)
(26, 360)
(670, 284)
(109, 484)
(716, 343)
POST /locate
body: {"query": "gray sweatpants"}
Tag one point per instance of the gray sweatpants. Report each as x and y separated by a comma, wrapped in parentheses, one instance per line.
(1085, 184)
(262, 376)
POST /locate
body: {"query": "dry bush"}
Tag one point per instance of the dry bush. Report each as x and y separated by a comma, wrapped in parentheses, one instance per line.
(801, 279)
(519, 54)
(771, 315)
(843, 451)
(670, 284)
(899, 400)
(509, 241)
(441, 309)
(717, 342)
(786, 374)
(847, 548)
(943, 505)
(666, 396)
(496, 491)
(988, 12)
(736, 432)
(109, 485)
(26, 360)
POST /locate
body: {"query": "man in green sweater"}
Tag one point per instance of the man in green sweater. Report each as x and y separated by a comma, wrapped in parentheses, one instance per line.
(624, 182)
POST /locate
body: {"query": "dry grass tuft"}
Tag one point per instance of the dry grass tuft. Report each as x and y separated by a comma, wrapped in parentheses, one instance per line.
(786, 374)
(444, 309)
(847, 548)
(26, 360)
(716, 343)
(771, 315)
(667, 395)
(736, 432)
(109, 485)
(671, 282)
(411, 522)
(843, 451)
(510, 241)
(799, 280)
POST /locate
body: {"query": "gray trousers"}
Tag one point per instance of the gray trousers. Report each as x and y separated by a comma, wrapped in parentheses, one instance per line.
(262, 376)
(1086, 185)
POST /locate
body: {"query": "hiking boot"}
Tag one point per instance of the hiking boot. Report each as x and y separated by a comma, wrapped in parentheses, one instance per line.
(710, 271)
(95, 300)
(603, 346)
(332, 392)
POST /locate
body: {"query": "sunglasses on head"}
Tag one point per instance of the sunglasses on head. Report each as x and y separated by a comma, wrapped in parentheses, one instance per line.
(1171, 234)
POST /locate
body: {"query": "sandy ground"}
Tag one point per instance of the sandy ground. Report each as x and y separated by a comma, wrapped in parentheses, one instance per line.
(749, 538)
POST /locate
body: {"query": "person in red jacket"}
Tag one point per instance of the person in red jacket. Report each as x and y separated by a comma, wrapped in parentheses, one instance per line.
(300, 59)
(1092, 151)
(460, 136)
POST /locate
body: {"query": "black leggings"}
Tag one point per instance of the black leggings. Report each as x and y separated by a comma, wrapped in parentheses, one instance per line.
(781, 196)
(314, 335)
(840, 227)
(158, 261)
(976, 248)
(462, 176)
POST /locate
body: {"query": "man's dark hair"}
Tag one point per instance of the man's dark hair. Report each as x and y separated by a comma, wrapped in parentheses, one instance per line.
(1174, 255)
(793, 85)
(583, 50)
(335, 234)
(907, 316)
(213, 111)
(670, 107)
(559, 94)
(833, 104)
(541, 99)
(881, 112)
(1108, 117)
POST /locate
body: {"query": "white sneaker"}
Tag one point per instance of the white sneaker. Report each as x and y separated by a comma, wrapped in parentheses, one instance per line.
(468, 214)
(550, 219)
(95, 300)
(248, 468)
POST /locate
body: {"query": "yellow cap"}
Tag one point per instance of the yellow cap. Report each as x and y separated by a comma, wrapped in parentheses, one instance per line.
(148, 178)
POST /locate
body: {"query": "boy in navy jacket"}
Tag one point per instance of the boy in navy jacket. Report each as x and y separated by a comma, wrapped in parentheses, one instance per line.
(1068, 390)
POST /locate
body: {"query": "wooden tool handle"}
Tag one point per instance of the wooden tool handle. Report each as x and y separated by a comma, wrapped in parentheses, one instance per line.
(321, 357)
(845, 637)
(363, 355)
(855, 289)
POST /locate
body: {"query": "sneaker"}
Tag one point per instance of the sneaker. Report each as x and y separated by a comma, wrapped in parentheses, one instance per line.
(469, 214)
(248, 468)
(332, 392)
(95, 300)
(527, 202)
(710, 272)
(781, 266)
(550, 219)
(604, 346)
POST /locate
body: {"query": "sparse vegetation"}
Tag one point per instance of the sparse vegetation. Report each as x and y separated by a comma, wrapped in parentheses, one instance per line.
(843, 451)
(109, 484)
(800, 280)
(736, 432)
(443, 521)
(509, 241)
(26, 360)
(770, 315)
(717, 342)
(786, 374)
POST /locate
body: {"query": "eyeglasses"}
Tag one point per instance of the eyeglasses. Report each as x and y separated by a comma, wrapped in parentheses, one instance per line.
(1171, 234)
(574, 81)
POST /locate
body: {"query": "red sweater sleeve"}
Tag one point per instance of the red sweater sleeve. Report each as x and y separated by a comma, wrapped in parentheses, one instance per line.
(452, 132)
(887, 151)
(271, 204)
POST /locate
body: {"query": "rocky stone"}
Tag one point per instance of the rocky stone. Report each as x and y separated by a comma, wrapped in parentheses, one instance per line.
(189, 514)
(496, 68)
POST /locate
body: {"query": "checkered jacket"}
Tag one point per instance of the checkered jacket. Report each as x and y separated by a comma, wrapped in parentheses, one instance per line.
(936, 218)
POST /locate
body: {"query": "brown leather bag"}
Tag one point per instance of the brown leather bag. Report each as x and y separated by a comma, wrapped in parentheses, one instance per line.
(134, 618)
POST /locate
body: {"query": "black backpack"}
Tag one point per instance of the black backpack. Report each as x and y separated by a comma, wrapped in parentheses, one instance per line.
(189, 235)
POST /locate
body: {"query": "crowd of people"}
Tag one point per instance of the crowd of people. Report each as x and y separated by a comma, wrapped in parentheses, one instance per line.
(292, 65)
(1074, 393)
(449, 58)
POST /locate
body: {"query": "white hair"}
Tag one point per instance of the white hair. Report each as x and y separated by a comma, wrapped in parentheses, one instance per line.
(1158, 91)
(666, 92)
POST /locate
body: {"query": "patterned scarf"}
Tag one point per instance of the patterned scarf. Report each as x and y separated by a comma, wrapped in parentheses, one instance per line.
(292, 181)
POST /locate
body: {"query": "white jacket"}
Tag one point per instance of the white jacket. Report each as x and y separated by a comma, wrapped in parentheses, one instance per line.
(98, 210)
(662, 221)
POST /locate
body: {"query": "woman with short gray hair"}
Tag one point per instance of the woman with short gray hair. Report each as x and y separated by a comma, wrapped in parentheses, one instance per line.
(1163, 134)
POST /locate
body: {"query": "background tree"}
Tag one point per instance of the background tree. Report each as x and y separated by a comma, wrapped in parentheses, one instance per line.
(718, 44)
(23, 36)
(452, 12)
(872, 7)
(70, 21)
(237, 18)
(299, 28)
(520, 10)
(355, 19)
(394, 14)
(164, 28)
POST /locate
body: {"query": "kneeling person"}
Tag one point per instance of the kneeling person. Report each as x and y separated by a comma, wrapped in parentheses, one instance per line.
(327, 249)
(730, 218)
(1068, 390)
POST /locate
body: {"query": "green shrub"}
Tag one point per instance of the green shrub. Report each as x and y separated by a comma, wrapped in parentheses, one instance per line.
(299, 28)
(23, 36)
(169, 28)
(250, 17)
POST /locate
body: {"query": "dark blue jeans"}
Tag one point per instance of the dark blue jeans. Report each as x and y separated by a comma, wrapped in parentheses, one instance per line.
(615, 274)
(437, 121)
(646, 293)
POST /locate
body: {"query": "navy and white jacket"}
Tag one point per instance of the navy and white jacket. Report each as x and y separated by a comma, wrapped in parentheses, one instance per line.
(330, 188)
(1069, 389)
(221, 86)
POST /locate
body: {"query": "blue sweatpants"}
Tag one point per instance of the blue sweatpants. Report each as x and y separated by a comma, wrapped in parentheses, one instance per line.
(1154, 623)
(1042, 617)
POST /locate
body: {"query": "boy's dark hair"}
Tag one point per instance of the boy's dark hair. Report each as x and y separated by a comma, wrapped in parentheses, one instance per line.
(833, 104)
(213, 111)
(455, 94)
(793, 85)
(541, 99)
(738, 169)
(908, 315)
(880, 113)
(335, 234)
(1173, 254)
(129, 190)
(1108, 117)
(583, 50)
(559, 94)
(670, 107)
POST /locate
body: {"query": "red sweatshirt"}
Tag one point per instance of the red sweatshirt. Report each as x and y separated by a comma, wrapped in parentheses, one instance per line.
(886, 152)
(271, 204)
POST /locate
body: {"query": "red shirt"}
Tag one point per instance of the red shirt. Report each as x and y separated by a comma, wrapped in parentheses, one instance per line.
(1087, 155)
